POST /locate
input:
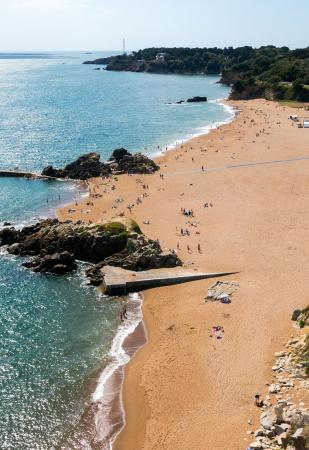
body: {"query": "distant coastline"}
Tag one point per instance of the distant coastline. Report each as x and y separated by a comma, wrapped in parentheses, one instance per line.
(274, 73)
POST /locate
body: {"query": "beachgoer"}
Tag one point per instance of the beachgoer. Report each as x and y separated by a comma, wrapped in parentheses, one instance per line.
(257, 400)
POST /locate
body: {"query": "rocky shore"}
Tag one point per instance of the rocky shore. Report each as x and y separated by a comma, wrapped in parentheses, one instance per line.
(284, 424)
(55, 246)
(89, 166)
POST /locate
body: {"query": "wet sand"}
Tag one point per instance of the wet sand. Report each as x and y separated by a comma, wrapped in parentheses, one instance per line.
(186, 390)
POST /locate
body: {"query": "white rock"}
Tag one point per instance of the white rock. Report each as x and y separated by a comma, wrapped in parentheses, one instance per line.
(298, 433)
(256, 446)
(278, 410)
(268, 419)
(274, 388)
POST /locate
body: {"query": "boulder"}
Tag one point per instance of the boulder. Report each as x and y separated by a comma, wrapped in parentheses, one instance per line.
(9, 236)
(86, 166)
(274, 388)
(89, 166)
(268, 420)
(58, 263)
(118, 154)
(122, 161)
(197, 99)
(296, 314)
(55, 245)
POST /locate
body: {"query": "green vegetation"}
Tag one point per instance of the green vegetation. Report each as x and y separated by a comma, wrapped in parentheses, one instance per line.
(269, 72)
(113, 228)
(134, 227)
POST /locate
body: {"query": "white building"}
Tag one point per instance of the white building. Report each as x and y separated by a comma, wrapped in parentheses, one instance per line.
(160, 57)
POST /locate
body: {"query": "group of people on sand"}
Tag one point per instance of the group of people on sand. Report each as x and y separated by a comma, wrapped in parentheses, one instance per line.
(187, 212)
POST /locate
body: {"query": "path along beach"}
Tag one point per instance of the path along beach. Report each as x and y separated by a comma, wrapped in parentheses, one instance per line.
(185, 390)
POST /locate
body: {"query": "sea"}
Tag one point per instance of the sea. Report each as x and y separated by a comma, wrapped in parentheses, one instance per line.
(61, 340)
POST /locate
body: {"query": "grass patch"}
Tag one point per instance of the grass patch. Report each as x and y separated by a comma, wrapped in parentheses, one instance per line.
(114, 227)
(134, 227)
(294, 104)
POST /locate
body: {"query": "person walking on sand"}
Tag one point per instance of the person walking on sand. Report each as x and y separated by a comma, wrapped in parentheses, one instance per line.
(199, 248)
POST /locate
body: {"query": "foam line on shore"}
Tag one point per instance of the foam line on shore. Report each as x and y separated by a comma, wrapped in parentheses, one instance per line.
(202, 130)
(108, 394)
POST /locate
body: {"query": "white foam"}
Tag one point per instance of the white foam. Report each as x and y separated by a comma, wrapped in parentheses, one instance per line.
(203, 129)
(117, 354)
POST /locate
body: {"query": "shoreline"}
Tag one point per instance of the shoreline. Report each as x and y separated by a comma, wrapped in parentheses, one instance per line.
(177, 321)
(108, 395)
(206, 129)
(107, 398)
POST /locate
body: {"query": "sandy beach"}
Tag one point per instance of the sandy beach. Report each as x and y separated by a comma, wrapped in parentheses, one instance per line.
(185, 390)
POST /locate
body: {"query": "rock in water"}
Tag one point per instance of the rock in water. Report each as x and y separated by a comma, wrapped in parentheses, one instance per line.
(86, 166)
(58, 263)
(197, 99)
(89, 166)
(55, 245)
(122, 161)
(118, 154)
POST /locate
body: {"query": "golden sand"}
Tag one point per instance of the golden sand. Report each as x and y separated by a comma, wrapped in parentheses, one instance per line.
(185, 390)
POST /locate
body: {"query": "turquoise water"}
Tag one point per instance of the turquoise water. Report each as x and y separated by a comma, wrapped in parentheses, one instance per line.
(56, 332)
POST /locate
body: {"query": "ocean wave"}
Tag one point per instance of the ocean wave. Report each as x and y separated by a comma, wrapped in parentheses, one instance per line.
(104, 396)
(117, 354)
(199, 131)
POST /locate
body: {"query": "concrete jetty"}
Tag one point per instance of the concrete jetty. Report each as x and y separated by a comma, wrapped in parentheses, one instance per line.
(21, 174)
(118, 281)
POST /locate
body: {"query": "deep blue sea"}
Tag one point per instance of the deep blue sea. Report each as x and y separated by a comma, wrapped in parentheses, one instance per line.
(55, 332)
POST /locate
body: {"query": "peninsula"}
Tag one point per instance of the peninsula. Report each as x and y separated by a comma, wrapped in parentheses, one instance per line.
(267, 72)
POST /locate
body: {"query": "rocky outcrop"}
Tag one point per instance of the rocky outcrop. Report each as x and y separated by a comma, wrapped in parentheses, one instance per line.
(122, 161)
(86, 166)
(99, 61)
(56, 245)
(284, 424)
(139, 254)
(89, 166)
(197, 99)
(58, 263)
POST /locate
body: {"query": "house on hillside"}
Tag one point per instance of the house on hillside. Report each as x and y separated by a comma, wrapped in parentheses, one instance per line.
(160, 57)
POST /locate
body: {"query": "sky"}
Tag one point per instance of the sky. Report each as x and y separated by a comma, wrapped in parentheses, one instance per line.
(51, 25)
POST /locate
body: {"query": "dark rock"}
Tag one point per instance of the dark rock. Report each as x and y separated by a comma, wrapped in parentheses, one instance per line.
(86, 166)
(99, 61)
(296, 314)
(7, 224)
(139, 254)
(58, 263)
(180, 102)
(197, 99)
(119, 154)
(9, 236)
(85, 242)
(136, 163)
(55, 246)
